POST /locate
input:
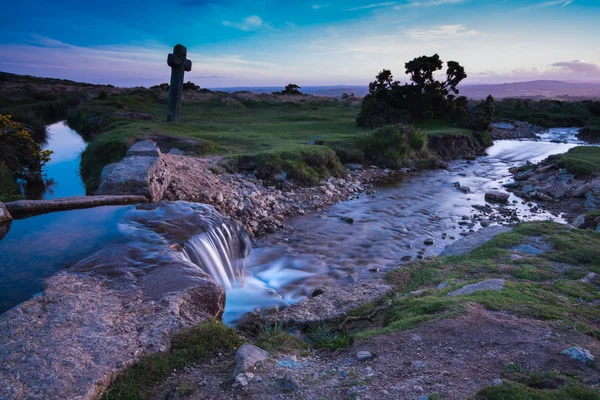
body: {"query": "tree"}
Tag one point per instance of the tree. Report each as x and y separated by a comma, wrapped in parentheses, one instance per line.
(482, 114)
(389, 102)
(292, 89)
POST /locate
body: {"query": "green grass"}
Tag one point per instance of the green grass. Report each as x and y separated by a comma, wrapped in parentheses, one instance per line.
(322, 336)
(273, 338)
(582, 161)
(546, 113)
(189, 346)
(535, 286)
(308, 138)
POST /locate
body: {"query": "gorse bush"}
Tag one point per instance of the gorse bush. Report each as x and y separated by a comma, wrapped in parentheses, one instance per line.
(21, 155)
(395, 146)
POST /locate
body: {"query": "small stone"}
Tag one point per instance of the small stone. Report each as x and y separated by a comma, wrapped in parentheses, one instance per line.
(219, 198)
(290, 384)
(428, 242)
(242, 380)
(318, 291)
(247, 357)
(497, 382)
(355, 390)
(580, 354)
(496, 197)
(442, 285)
(363, 355)
(589, 278)
(579, 221)
(406, 258)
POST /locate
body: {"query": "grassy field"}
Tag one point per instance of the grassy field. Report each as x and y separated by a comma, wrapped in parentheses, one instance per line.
(547, 113)
(582, 161)
(307, 137)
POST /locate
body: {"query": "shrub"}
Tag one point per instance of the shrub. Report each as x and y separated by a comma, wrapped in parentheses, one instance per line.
(395, 146)
(21, 154)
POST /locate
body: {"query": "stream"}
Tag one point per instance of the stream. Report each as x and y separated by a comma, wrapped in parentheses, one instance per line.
(321, 249)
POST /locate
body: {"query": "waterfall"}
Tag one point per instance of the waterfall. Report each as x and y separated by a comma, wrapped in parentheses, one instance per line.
(221, 252)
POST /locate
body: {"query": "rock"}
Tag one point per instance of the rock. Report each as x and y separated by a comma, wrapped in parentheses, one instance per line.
(521, 176)
(290, 384)
(280, 177)
(318, 291)
(4, 229)
(242, 380)
(247, 357)
(177, 152)
(144, 148)
(496, 197)
(442, 285)
(105, 312)
(512, 185)
(556, 190)
(4, 214)
(363, 355)
(143, 172)
(406, 258)
(528, 249)
(219, 198)
(348, 220)
(544, 197)
(467, 244)
(354, 167)
(580, 354)
(579, 221)
(490, 284)
(497, 382)
(589, 278)
(583, 189)
(429, 242)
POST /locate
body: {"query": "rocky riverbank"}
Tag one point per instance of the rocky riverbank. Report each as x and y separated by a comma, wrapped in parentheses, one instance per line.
(514, 130)
(559, 191)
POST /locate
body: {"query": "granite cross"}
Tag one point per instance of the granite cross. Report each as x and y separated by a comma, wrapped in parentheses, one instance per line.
(179, 64)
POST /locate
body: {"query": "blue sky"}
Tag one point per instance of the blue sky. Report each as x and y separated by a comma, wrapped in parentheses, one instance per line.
(320, 42)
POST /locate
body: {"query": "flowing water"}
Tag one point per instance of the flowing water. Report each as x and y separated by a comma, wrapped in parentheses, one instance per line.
(286, 267)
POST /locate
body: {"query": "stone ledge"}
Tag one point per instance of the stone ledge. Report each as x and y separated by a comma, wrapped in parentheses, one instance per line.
(24, 208)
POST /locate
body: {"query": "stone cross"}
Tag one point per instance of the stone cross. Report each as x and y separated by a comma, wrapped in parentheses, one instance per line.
(179, 64)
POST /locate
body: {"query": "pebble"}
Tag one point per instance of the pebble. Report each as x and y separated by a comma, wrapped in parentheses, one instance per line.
(363, 355)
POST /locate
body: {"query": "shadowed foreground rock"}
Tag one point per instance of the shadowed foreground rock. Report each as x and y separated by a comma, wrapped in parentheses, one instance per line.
(142, 172)
(119, 303)
(4, 214)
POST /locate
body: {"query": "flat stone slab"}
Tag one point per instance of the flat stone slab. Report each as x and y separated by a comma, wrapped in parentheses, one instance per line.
(491, 284)
(4, 214)
(471, 242)
(143, 172)
(144, 148)
(32, 207)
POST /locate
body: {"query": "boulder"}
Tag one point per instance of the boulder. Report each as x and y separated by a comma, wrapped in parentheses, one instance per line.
(495, 196)
(490, 284)
(4, 214)
(467, 244)
(142, 172)
(556, 190)
(579, 221)
(247, 357)
(589, 278)
(579, 354)
(583, 189)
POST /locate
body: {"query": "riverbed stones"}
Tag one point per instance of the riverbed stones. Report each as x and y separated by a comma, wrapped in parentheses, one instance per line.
(142, 172)
(490, 284)
(4, 214)
(495, 196)
(247, 357)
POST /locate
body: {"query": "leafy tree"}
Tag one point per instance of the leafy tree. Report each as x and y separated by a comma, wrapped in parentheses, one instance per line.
(482, 115)
(21, 155)
(389, 102)
(292, 89)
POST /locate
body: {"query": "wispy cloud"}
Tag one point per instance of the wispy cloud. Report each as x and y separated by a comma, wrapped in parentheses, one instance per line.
(250, 23)
(551, 3)
(319, 6)
(428, 3)
(442, 32)
(372, 5)
(579, 67)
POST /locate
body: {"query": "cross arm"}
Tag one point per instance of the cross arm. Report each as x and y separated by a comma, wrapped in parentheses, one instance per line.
(187, 65)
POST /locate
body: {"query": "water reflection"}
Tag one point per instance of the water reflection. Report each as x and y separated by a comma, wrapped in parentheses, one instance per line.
(61, 175)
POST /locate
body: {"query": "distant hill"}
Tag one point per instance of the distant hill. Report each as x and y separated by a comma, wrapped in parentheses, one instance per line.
(532, 89)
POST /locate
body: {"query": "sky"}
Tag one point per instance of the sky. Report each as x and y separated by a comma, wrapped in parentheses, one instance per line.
(319, 42)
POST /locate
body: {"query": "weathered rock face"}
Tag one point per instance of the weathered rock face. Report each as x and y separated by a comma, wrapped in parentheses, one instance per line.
(142, 172)
(4, 214)
(119, 303)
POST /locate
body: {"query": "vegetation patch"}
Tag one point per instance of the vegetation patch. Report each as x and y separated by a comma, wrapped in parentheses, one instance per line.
(591, 130)
(322, 336)
(582, 161)
(273, 338)
(544, 287)
(188, 347)
(547, 113)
